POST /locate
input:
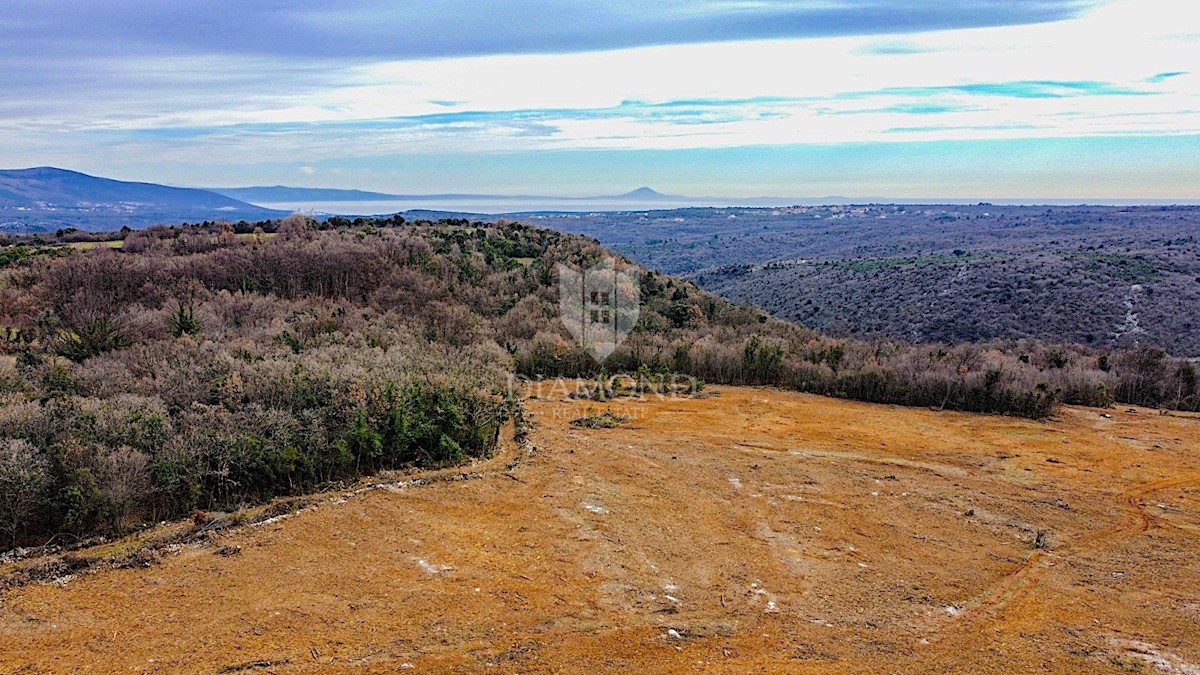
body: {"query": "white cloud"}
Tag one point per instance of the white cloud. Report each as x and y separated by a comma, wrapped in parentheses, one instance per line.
(1122, 43)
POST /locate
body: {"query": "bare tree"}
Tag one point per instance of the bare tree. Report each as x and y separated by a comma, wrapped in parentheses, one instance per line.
(297, 225)
(24, 475)
(123, 477)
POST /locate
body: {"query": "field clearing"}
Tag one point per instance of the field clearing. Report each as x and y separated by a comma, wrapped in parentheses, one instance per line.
(753, 531)
(118, 243)
(89, 245)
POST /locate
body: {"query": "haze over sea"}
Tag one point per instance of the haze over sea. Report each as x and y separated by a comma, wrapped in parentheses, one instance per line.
(520, 205)
(488, 206)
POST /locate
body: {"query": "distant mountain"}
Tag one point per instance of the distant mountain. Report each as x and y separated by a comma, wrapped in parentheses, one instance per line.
(639, 199)
(281, 194)
(46, 197)
(649, 194)
(47, 186)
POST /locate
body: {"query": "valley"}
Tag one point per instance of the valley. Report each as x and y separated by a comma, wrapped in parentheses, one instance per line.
(934, 273)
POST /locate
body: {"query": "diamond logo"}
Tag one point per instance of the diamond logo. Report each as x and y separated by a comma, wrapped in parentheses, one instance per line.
(599, 306)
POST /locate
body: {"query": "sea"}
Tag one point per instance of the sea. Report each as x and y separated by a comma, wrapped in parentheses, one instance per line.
(483, 206)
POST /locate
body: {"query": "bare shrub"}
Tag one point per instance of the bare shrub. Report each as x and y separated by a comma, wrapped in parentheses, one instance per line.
(123, 481)
(24, 476)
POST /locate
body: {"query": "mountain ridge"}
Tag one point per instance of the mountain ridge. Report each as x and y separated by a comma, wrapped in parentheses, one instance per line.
(46, 197)
(64, 187)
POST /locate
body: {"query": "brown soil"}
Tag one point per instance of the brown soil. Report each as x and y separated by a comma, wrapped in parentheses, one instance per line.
(755, 531)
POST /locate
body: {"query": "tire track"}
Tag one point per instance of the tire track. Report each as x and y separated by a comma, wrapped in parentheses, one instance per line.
(1138, 520)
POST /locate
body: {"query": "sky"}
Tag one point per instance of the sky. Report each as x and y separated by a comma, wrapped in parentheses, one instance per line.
(904, 99)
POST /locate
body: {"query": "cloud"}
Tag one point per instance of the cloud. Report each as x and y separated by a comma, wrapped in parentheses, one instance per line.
(962, 112)
(894, 48)
(357, 29)
(912, 109)
(978, 130)
(1163, 77)
(1016, 89)
(221, 86)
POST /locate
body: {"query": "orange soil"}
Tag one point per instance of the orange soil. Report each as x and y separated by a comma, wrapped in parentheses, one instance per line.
(755, 531)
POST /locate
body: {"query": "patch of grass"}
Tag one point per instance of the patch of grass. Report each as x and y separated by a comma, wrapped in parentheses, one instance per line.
(872, 264)
(16, 254)
(257, 236)
(1132, 269)
(89, 245)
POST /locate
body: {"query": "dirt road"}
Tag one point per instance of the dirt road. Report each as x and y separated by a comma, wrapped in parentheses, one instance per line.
(755, 531)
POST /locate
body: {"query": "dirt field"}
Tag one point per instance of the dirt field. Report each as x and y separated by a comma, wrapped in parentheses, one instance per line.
(755, 531)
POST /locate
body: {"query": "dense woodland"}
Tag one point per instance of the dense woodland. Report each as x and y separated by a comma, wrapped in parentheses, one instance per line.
(208, 366)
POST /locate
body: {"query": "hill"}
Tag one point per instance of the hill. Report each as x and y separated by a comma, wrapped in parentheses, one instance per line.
(203, 367)
(48, 198)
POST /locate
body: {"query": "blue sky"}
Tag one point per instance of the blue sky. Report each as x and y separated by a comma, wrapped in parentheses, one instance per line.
(874, 98)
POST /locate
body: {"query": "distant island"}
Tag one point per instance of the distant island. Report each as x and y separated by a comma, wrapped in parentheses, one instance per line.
(282, 193)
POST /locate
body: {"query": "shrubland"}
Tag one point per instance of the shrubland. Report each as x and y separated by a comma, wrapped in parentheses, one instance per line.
(210, 366)
(1108, 277)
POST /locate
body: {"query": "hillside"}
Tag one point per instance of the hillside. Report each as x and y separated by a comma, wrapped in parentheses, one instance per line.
(47, 198)
(199, 367)
(753, 531)
(1103, 277)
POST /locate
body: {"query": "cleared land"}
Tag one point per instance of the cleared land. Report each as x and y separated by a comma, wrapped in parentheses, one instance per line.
(748, 532)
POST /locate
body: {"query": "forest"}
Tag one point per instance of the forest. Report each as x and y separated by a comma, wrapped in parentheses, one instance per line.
(203, 367)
